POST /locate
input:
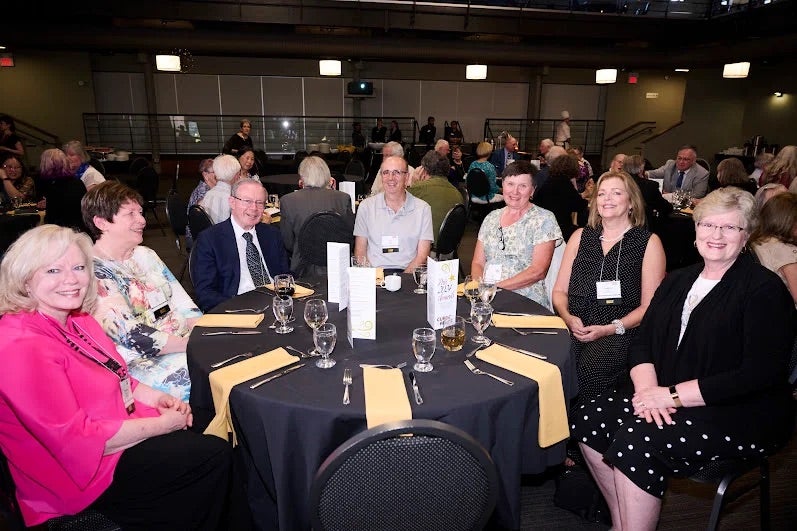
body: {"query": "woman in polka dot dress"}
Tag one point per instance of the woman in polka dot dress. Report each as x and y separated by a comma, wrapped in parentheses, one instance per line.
(708, 367)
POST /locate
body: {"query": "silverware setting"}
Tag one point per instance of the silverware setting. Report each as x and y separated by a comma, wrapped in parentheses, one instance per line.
(542, 332)
(275, 376)
(475, 370)
(301, 353)
(382, 365)
(518, 314)
(523, 351)
(233, 333)
(477, 349)
(253, 310)
(415, 389)
(347, 383)
(228, 360)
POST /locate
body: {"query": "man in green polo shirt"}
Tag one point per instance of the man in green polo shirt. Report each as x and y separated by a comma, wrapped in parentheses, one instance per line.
(431, 185)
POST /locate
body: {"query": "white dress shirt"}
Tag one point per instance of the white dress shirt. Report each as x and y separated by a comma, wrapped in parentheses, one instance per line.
(246, 283)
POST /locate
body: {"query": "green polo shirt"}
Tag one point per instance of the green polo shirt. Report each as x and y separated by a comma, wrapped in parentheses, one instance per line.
(441, 196)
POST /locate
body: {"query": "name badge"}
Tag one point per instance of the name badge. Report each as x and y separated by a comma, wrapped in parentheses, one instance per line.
(493, 273)
(609, 292)
(157, 303)
(127, 394)
(390, 244)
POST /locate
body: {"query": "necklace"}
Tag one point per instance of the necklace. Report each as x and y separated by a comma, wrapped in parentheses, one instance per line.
(604, 239)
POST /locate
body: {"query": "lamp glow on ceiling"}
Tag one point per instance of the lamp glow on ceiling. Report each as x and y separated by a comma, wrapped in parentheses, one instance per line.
(329, 67)
(476, 72)
(167, 63)
(736, 70)
(606, 75)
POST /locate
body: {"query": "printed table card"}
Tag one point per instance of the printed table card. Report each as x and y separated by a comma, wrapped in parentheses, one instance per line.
(361, 318)
(348, 187)
(441, 299)
(337, 273)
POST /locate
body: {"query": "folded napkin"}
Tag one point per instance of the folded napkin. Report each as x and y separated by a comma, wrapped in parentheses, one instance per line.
(275, 219)
(461, 288)
(553, 411)
(528, 321)
(385, 396)
(229, 320)
(298, 291)
(223, 380)
(687, 210)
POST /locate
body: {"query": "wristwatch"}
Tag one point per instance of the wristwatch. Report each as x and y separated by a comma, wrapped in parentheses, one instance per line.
(674, 396)
(619, 329)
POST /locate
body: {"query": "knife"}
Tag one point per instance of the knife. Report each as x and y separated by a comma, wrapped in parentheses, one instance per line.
(274, 377)
(232, 333)
(519, 314)
(415, 389)
(526, 352)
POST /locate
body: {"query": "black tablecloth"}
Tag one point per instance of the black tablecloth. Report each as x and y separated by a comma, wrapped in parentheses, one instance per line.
(677, 233)
(287, 427)
(281, 184)
(12, 226)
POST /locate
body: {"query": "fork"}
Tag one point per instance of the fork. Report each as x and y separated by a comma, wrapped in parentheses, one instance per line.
(475, 370)
(541, 332)
(382, 365)
(254, 310)
(228, 360)
(301, 353)
(347, 383)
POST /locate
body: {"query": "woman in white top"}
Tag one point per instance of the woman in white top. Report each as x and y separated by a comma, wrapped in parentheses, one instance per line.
(80, 165)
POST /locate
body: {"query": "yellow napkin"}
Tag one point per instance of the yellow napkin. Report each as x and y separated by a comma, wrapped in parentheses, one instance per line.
(223, 380)
(385, 396)
(528, 321)
(380, 275)
(553, 411)
(225, 320)
(461, 288)
(298, 291)
(687, 210)
(275, 219)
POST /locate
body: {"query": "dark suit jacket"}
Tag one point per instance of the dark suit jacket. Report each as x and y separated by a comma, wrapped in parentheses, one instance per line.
(656, 207)
(215, 268)
(695, 180)
(498, 159)
(297, 206)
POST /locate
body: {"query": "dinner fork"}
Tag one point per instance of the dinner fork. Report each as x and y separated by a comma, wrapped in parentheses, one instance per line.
(382, 365)
(228, 360)
(254, 310)
(347, 383)
(475, 370)
(302, 354)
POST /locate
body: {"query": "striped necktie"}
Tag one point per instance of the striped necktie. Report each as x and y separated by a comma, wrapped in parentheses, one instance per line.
(680, 180)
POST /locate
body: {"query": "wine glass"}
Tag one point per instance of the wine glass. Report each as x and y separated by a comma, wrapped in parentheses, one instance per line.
(420, 279)
(471, 288)
(424, 341)
(324, 338)
(481, 313)
(283, 309)
(453, 335)
(487, 289)
(284, 285)
(315, 314)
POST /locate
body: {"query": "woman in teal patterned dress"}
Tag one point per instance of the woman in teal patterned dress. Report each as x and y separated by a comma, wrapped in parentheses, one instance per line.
(140, 303)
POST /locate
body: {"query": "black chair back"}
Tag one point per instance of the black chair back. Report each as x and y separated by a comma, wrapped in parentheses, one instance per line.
(147, 183)
(412, 475)
(355, 170)
(477, 182)
(177, 214)
(316, 231)
(198, 220)
(98, 165)
(451, 231)
(138, 164)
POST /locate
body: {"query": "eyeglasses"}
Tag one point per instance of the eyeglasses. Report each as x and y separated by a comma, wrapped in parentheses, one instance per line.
(10, 167)
(250, 202)
(724, 229)
(501, 238)
(394, 173)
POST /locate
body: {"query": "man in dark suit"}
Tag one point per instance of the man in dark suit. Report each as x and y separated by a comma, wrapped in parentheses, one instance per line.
(506, 156)
(683, 173)
(427, 133)
(379, 132)
(656, 207)
(315, 196)
(228, 258)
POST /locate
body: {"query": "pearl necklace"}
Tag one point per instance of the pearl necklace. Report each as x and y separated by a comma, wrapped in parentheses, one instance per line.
(604, 239)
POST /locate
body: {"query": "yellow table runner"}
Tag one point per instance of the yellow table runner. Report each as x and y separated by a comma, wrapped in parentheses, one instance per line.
(385, 396)
(528, 321)
(553, 410)
(298, 291)
(223, 380)
(224, 320)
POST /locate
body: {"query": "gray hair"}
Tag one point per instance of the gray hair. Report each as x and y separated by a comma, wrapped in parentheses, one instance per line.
(546, 142)
(74, 146)
(554, 152)
(440, 143)
(243, 182)
(314, 172)
(765, 193)
(728, 199)
(435, 164)
(392, 149)
(226, 168)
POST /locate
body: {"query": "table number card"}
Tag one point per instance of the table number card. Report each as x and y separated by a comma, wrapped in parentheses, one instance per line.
(441, 301)
(337, 273)
(361, 319)
(348, 187)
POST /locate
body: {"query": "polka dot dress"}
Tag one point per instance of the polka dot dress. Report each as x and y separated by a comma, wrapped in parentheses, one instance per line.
(649, 455)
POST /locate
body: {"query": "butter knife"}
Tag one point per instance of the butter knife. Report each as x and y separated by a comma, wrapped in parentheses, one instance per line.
(518, 314)
(415, 389)
(275, 376)
(232, 333)
(526, 352)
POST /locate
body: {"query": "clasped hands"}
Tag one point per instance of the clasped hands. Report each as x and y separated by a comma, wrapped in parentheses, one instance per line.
(654, 404)
(587, 333)
(175, 412)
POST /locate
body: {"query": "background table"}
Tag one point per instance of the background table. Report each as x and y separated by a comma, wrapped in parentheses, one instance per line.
(677, 233)
(281, 184)
(287, 427)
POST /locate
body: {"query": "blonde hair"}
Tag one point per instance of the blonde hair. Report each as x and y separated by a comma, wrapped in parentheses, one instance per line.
(784, 162)
(35, 249)
(314, 172)
(728, 199)
(484, 149)
(636, 215)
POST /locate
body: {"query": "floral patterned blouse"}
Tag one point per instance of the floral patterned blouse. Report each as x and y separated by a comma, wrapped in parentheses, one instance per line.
(535, 227)
(140, 304)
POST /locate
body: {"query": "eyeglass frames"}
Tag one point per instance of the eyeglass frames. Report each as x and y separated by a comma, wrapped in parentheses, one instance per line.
(501, 237)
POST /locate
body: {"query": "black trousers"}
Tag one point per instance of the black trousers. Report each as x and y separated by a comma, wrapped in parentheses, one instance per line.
(178, 481)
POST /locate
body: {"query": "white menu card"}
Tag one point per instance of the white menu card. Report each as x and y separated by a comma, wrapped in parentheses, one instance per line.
(361, 318)
(441, 299)
(349, 188)
(338, 274)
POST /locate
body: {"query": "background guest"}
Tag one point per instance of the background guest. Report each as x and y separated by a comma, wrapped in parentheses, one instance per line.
(762, 160)
(61, 190)
(206, 182)
(379, 132)
(434, 188)
(17, 184)
(140, 304)
(216, 202)
(357, 137)
(394, 134)
(10, 143)
(767, 192)
(501, 158)
(683, 173)
(240, 140)
(458, 169)
(80, 166)
(656, 207)
(560, 196)
(455, 136)
(584, 167)
(427, 133)
(783, 168)
(246, 158)
(483, 152)
(774, 240)
(731, 172)
(562, 136)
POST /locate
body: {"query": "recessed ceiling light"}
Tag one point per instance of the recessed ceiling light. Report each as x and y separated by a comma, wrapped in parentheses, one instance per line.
(682, 70)
(778, 94)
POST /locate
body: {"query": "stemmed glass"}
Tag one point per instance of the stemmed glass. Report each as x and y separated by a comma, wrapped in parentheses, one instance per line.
(315, 314)
(325, 337)
(481, 313)
(284, 285)
(420, 278)
(471, 289)
(424, 342)
(283, 309)
(487, 290)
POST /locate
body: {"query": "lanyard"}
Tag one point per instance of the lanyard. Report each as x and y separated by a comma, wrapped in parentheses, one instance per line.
(617, 268)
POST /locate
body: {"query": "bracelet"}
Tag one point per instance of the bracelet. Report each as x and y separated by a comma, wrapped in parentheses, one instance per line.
(674, 396)
(619, 328)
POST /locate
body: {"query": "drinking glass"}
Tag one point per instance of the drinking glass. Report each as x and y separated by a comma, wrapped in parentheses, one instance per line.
(274, 200)
(315, 314)
(284, 285)
(471, 288)
(283, 309)
(359, 261)
(480, 315)
(453, 335)
(324, 338)
(487, 290)
(420, 279)
(424, 341)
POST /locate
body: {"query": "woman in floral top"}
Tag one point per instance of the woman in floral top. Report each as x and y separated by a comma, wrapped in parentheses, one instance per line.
(141, 305)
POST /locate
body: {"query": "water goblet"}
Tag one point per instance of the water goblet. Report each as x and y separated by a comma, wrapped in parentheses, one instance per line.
(481, 313)
(274, 200)
(283, 309)
(420, 278)
(324, 338)
(315, 314)
(471, 289)
(453, 335)
(424, 341)
(284, 285)
(487, 290)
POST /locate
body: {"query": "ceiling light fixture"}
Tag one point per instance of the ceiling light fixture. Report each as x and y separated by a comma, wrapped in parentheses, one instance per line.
(682, 70)
(736, 70)
(778, 94)
(606, 75)
(167, 63)
(329, 67)
(476, 72)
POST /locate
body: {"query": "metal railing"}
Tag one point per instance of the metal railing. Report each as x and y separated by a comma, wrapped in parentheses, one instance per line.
(587, 134)
(203, 134)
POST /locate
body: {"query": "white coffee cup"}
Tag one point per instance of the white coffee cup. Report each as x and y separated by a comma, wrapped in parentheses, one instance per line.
(393, 282)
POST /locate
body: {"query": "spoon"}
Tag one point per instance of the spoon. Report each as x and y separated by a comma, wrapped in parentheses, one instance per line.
(301, 353)
(254, 310)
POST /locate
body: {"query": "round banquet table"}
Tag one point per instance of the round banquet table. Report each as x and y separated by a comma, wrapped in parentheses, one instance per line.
(287, 427)
(281, 184)
(677, 233)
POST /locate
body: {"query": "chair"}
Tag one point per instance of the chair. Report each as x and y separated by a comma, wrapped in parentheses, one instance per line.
(86, 520)
(704, 163)
(451, 231)
(177, 214)
(553, 270)
(412, 475)
(315, 232)
(98, 165)
(138, 164)
(147, 183)
(478, 185)
(355, 172)
(198, 220)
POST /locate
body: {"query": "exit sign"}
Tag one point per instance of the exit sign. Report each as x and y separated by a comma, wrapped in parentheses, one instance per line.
(6, 59)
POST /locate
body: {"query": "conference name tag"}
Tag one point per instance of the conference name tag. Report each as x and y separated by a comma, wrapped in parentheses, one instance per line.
(157, 303)
(609, 292)
(390, 244)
